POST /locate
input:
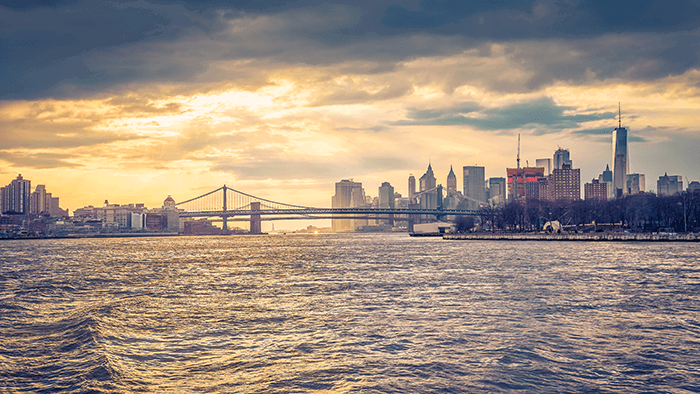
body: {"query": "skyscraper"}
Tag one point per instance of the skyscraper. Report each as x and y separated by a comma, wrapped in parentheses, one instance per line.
(546, 164)
(635, 183)
(561, 157)
(411, 188)
(428, 182)
(348, 194)
(15, 197)
(620, 159)
(386, 196)
(386, 200)
(497, 188)
(451, 181)
(474, 185)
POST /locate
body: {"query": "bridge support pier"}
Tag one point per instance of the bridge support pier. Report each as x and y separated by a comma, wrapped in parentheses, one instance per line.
(255, 222)
(224, 228)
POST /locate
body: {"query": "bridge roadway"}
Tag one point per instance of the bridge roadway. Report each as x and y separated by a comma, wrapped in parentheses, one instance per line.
(327, 211)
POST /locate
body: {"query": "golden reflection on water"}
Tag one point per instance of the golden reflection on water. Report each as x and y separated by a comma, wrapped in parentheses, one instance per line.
(344, 313)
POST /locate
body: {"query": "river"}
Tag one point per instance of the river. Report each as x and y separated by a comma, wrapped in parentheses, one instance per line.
(375, 313)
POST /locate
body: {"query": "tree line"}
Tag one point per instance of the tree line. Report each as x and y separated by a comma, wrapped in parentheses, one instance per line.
(644, 212)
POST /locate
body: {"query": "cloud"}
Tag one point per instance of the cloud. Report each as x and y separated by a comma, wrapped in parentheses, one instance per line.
(542, 116)
(76, 48)
(38, 160)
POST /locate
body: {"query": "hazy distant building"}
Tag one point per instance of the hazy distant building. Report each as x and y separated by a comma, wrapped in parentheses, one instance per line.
(561, 157)
(596, 190)
(451, 181)
(429, 197)
(386, 196)
(669, 185)
(694, 187)
(635, 183)
(497, 190)
(620, 160)
(474, 187)
(411, 188)
(607, 178)
(15, 197)
(348, 194)
(546, 164)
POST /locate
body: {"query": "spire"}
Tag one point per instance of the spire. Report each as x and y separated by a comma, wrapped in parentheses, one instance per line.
(452, 173)
(607, 167)
(619, 116)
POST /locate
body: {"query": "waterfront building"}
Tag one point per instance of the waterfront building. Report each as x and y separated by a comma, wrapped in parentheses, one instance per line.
(635, 184)
(348, 194)
(669, 185)
(200, 227)
(561, 157)
(474, 187)
(15, 197)
(620, 160)
(546, 164)
(596, 190)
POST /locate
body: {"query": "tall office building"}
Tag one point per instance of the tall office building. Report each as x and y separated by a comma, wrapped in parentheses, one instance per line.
(451, 181)
(474, 186)
(387, 201)
(497, 190)
(15, 197)
(37, 201)
(546, 164)
(411, 188)
(348, 194)
(561, 157)
(635, 183)
(428, 182)
(386, 196)
(620, 159)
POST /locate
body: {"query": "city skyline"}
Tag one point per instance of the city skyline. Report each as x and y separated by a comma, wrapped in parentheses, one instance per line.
(283, 102)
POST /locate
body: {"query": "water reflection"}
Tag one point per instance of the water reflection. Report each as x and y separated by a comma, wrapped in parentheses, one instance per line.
(347, 313)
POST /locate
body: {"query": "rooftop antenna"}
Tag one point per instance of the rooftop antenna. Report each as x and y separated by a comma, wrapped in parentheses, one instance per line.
(619, 116)
(518, 150)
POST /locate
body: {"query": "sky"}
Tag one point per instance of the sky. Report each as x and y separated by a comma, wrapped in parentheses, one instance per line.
(132, 101)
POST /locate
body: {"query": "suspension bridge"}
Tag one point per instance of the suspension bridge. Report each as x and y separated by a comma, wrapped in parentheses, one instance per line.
(227, 203)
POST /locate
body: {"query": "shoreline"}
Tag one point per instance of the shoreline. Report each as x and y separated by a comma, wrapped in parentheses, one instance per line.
(594, 237)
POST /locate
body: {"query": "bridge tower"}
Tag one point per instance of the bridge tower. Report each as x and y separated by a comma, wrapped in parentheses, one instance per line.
(224, 228)
(255, 223)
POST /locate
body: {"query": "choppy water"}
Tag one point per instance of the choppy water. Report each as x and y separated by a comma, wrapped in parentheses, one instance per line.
(347, 313)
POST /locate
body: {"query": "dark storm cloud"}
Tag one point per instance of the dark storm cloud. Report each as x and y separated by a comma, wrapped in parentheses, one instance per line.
(65, 48)
(542, 115)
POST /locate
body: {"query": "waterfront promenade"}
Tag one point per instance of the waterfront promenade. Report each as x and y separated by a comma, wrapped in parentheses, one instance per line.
(618, 237)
